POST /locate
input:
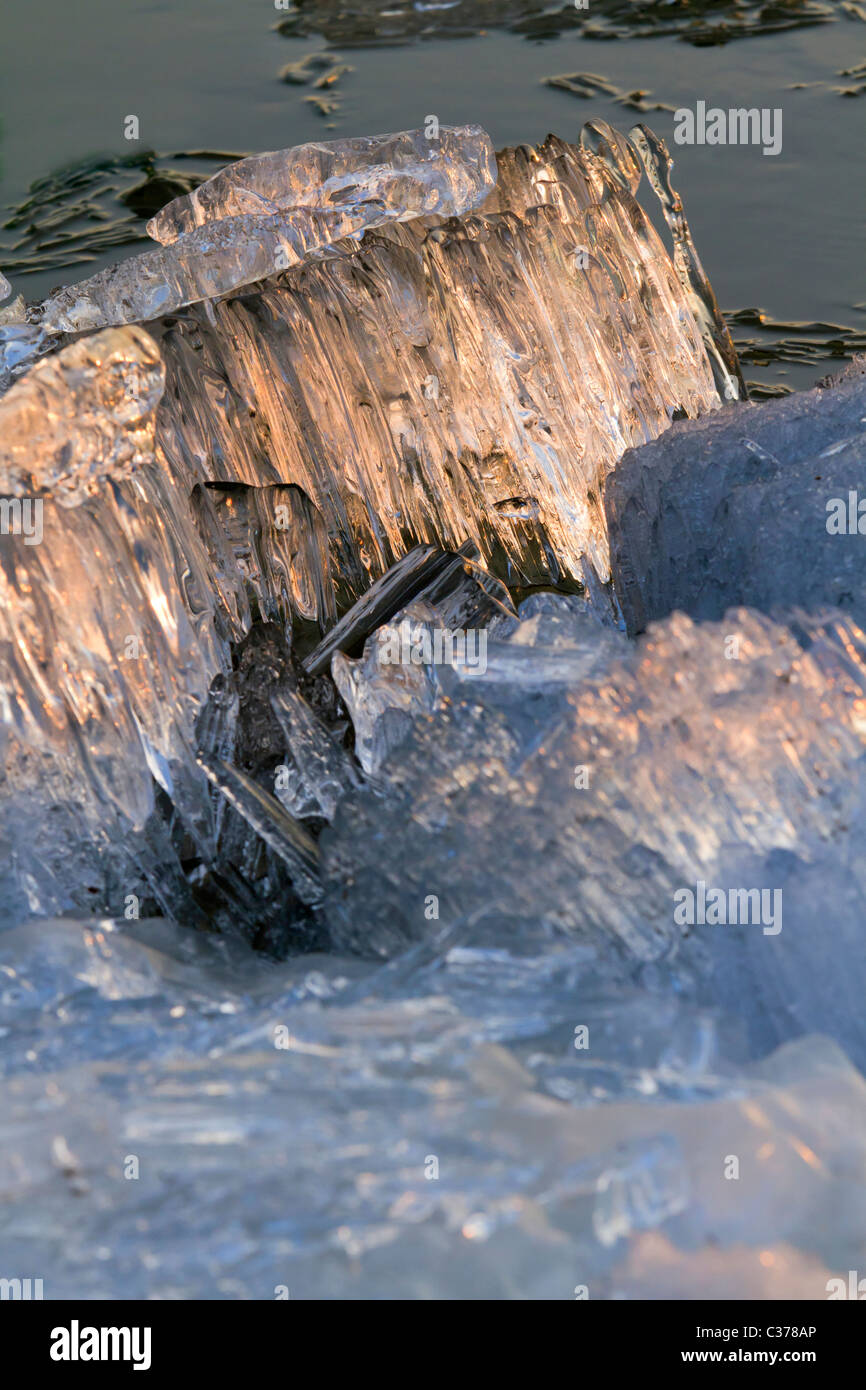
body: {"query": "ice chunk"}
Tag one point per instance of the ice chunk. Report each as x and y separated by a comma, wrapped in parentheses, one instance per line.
(404, 175)
(121, 592)
(463, 592)
(145, 1053)
(446, 398)
(468, 380)
(108, 643)
(418, 388)
(724, 755)
(411, 397)
(20, 342)
(81, 417)
(410, 665)
(5, 287)
(753, 506)
(272, 822)
(382, 693)
(410, 576)
(317, 771)
(697, 288)
(396, 678)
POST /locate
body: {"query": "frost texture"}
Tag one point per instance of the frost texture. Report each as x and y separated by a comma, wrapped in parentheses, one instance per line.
(587, 808)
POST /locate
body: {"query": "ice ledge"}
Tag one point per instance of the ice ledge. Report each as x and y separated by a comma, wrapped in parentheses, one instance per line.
(261, 216)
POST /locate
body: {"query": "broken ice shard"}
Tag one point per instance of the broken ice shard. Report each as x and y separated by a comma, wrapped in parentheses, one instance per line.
(424, 571)
(317, 771)
(657, 161)
(383, 697)
(5, 287)
(406, 174)
(272, 822)
(394, 680)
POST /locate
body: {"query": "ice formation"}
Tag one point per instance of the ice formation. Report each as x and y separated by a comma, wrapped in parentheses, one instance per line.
(447, 384)
(465, 874)
(600, 780)
(270, 212)
(464, 380)
(401, 176)
(82, 418)
(106, 619)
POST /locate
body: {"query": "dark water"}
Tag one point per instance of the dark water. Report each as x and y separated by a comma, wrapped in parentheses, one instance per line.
(783, 234)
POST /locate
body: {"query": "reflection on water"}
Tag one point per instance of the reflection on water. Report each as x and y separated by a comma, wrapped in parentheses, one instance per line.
(75, 215)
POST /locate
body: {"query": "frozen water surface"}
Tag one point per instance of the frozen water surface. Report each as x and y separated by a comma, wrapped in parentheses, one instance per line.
(177, 1125)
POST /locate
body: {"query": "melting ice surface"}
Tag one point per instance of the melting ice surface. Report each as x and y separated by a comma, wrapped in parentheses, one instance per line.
(497, 1063)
